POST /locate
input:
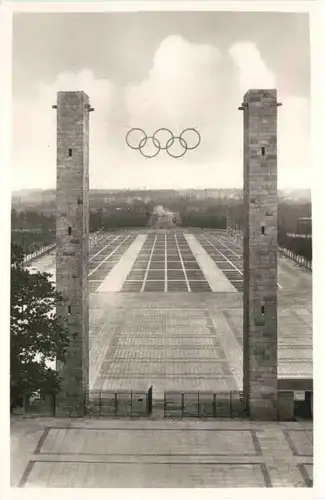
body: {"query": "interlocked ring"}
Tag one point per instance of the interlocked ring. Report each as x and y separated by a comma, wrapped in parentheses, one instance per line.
(182, 143)
(170, 133)
(166, 145)
(144, 141)
(196, 132)
(130, 132)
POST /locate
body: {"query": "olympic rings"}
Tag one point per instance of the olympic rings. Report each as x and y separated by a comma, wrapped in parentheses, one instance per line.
(162, 143)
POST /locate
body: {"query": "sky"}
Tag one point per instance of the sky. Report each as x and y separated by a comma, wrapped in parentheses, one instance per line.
(159, 69)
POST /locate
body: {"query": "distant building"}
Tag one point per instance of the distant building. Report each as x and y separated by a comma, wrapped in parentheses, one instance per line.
(304, 228)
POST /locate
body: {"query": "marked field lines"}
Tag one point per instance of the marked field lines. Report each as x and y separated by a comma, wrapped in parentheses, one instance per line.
(169, 261)
(223, 255)
(166, 287)
(234, 250)
(163, 281)
(216, 279)
(109, 255)
(230, 250)
(168, 258)
(161, 264)
(104, 248)
(229, 270)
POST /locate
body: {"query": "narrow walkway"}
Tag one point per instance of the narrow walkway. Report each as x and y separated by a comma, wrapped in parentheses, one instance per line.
(214, 276)
(114, 281)
(148, 265)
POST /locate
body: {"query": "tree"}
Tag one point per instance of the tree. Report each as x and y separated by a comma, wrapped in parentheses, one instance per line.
(37, 334)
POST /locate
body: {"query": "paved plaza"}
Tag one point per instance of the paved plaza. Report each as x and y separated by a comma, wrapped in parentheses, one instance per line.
(166, 311)
(163, 324)
(184, 340)
(96, 453)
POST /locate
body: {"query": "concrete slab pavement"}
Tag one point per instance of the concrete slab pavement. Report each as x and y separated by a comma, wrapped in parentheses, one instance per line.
(115, 279)
(214, 276)
(98, 453)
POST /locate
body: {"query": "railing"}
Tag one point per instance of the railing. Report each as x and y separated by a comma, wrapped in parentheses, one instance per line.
(301, 261)
(42, 405)
(237, 237)
(299, 235)
(294, 401)
(94, 238)
(120, 403)
(204, 404)
(39, 253)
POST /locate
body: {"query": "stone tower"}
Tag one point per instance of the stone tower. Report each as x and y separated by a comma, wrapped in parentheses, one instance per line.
(72, 225)
(260, 253)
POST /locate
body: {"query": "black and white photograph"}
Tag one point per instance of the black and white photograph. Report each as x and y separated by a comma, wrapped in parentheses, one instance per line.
(161, 247)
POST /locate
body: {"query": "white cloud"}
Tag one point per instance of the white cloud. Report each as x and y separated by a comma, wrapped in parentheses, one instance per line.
(181, 89)
(293, 117)
(294, 156)
(253, 72)
(34, 128)
(188, 85)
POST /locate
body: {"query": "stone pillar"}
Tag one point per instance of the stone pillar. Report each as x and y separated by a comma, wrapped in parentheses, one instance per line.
(72, 228)
(260, 253)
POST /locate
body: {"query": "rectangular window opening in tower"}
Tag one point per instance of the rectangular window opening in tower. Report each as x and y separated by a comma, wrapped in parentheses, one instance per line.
(262, 229)
(69, 230)
(263, 151)
(262, 310)
(70, 152)
(69, 309)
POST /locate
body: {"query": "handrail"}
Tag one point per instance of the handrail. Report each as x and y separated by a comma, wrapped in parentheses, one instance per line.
(299, 259)
(48, 248)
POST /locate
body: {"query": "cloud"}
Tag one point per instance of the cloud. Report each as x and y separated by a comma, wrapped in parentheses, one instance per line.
(294, 155)
(34, 127)
(253, 71)
(293, 117)
(181, 88)
(188, 85)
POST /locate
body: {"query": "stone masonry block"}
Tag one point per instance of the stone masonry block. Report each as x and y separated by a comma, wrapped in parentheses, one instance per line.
(72, 245)
(260, 256)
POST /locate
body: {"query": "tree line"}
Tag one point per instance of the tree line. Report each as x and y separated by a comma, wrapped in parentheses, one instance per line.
(120, 217)
(32, 230)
